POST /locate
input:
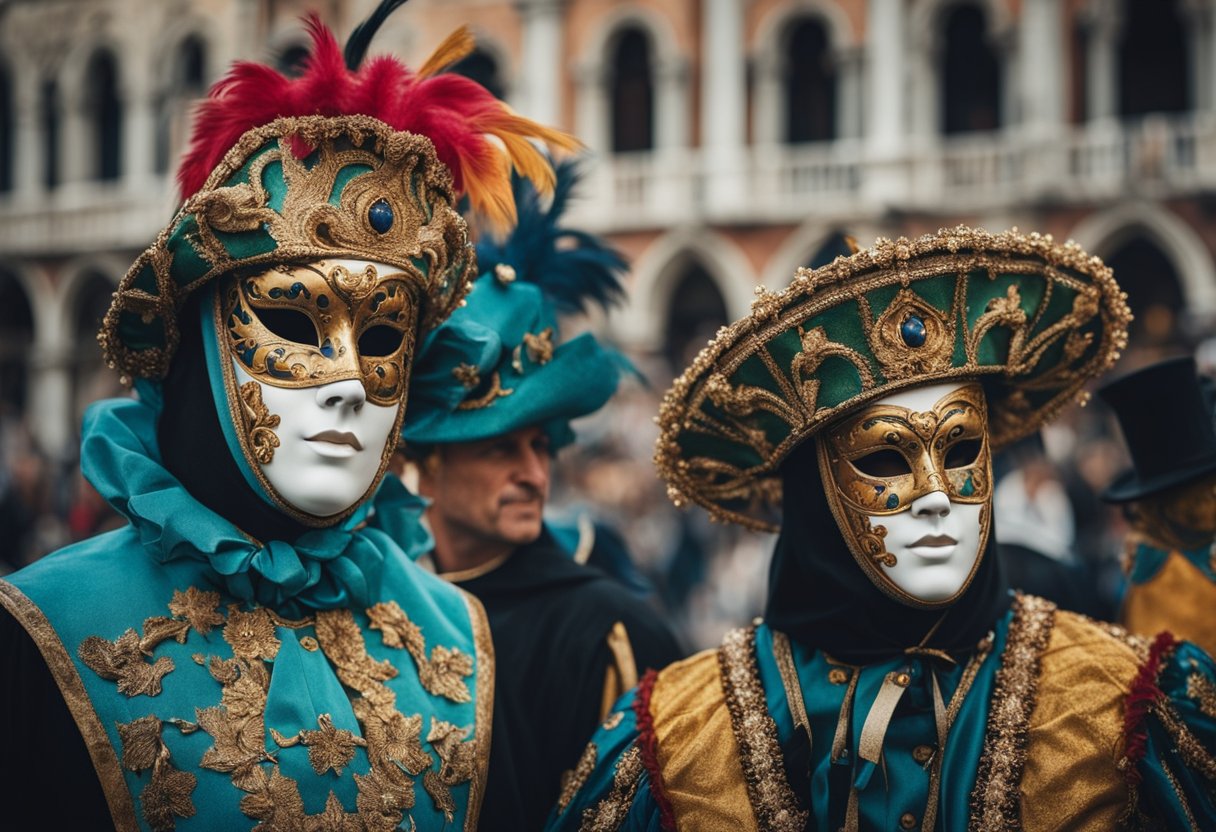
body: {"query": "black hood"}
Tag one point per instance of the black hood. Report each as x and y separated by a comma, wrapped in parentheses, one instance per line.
(819, 596)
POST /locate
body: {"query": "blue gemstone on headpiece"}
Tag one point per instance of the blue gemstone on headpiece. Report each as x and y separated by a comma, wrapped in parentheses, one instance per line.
(913, 330)
(380, 215)
(892, 501)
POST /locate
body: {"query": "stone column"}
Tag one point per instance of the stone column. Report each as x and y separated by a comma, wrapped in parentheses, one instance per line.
(1102, 67)
(540, 91)
(29, 146)
(50, 396)
(723, 105)
(766, 108)
(138, 133)
(1041, 50)
(885, 181)
(850, 66)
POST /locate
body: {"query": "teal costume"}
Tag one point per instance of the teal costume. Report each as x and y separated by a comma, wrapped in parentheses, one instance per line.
(245, 654)
(775, 773)
(857, 703)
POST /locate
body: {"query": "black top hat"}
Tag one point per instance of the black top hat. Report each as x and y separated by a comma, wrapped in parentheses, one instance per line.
(1166, 418)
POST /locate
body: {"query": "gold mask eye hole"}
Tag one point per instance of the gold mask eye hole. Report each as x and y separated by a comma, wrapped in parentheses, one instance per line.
(380, 341)
(882, 464)
(289, 324)
(963, 454)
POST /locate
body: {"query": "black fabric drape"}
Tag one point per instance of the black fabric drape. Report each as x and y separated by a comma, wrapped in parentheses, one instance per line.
(819, 596)
(193, 447)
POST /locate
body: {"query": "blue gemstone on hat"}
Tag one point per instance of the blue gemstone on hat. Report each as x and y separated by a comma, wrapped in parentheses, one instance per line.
(380, 215)
(913, 331)
(892, 501)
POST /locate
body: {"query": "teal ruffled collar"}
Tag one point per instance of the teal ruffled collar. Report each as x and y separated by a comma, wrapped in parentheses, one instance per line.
(323, 569)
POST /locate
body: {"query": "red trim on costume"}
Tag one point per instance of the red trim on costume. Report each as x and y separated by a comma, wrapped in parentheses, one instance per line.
(1140, 698)
(648, 743)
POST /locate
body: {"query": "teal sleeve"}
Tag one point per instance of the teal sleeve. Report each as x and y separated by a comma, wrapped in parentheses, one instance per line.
(615, 788)
(1177, 772)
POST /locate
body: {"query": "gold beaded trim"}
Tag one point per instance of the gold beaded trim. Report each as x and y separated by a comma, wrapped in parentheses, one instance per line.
(768, 790)
(609, 813)
(995, 801)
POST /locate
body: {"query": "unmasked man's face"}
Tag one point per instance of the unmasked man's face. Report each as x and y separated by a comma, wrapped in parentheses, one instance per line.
(909, 481)
(320, 354)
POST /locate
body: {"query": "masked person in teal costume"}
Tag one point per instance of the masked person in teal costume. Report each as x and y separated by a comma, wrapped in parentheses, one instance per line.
(256, 648)
(894, 682)
(569, 638)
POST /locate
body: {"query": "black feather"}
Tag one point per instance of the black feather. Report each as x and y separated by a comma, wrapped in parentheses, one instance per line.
(361, 38)
(573, 268)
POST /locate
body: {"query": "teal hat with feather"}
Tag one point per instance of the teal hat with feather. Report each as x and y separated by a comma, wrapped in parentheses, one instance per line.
(498, 363)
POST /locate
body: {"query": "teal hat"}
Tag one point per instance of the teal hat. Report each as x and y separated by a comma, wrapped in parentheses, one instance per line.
(497, 364)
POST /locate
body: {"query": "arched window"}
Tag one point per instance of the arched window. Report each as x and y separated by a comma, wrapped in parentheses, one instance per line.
(695, 312)
(632, 92)
(1154, 291)
(16, 338)
(104, 109)
(810, 83)
(48, 116)
(1153, 60)
(187, 80)
(8, 128)
(970, 74)
(482, 67)
(90, 377)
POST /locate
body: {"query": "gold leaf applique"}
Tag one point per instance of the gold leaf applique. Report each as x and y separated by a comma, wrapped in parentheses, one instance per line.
(396, 628)
(198, 608)
(160, 629)
(342, 641)
(457, 761)
(251, 634)
(239, 743)
(274, 800)
(167, 796)
(333, 819)
(122, 661)
(467, 374)
(141, 743)
(393, 738)
(443, 674)
(1203, 691)
(384, 795)
(330, 747)
(539, 346)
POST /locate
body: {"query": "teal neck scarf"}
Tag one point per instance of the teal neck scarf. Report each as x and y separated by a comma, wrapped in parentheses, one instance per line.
(322, 569)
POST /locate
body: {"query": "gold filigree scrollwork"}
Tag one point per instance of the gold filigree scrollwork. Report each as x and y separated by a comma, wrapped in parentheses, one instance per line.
(457, 758)
(467, 375)
(815, 347)
(899, 358)
(443, 673)
(496, 391)
(259, 422)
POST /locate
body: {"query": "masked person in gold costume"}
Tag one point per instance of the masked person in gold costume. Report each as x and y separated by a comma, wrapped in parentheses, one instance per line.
(894, 683)
(1169, 497)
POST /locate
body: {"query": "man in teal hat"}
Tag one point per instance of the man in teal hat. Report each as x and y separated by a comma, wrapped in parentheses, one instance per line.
(894, 683)
(569, 639)
(256, 647)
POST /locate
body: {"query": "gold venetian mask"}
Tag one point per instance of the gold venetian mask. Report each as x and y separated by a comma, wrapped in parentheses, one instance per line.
(881, 459)
(312, 324)
(1180, 518)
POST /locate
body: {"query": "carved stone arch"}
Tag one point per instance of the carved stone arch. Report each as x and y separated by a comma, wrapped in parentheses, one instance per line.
(800, 246)
(73, 73)
(772, 29)
(925, 44)
(74, 280)
(1103, 233)
(175, 36)
(655, 273)
(669, 64)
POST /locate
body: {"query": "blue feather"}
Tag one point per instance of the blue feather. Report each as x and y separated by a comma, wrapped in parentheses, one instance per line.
(573, 268)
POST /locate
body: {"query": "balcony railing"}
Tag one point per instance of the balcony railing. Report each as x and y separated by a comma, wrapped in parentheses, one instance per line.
(1155, 157)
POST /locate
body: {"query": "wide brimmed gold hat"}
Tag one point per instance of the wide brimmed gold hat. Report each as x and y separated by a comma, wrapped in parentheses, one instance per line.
(1033, 319)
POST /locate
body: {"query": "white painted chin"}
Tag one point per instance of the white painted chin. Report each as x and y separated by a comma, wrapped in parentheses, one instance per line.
(331, 443)
(932, 573)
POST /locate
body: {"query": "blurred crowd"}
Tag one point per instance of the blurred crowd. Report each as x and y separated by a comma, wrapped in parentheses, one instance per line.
(1056, 536)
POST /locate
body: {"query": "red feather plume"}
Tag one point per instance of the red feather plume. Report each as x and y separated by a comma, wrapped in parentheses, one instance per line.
(477, 136)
